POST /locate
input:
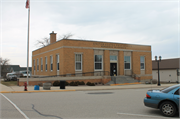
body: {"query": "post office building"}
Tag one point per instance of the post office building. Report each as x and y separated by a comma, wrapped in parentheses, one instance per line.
(84, 57)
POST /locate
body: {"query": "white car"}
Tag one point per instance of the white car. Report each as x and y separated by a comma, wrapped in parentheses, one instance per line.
(24, 73)
(11, 77)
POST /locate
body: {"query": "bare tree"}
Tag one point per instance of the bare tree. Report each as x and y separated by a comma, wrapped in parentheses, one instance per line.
(46, 41)
(66, 36)
(3, 66)
(43, 42)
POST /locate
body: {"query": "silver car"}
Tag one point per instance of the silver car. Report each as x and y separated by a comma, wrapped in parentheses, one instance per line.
(11, 77)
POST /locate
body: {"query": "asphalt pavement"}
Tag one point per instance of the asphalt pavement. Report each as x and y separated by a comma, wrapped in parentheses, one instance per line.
(31, 89)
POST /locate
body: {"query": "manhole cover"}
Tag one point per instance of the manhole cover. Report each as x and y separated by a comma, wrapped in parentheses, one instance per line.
(100, 93)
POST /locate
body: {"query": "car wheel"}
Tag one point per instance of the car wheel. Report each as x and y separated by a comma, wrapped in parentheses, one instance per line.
(168, 109)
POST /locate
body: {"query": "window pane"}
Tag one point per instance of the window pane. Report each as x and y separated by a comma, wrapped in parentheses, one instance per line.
(57, 66)
(51, 66)
(78, 57)
(46, 60)
(98, 65)
(98, 58)
(127, 59)
(57, 58)
(142, 65)
(127, 65)
(78, 66)
(113, 57)
(142, 59)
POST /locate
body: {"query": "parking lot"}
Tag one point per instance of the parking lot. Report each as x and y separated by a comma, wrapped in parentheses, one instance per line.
(120, 104)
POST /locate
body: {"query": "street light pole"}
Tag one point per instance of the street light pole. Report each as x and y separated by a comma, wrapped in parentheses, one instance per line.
(158, 69)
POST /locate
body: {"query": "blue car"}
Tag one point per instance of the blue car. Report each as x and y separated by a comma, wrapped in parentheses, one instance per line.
(167, 100)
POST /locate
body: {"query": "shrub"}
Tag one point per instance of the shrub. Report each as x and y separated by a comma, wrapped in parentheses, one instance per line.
(40, 84)
(92, 84)
(56, 83)
(66, 83)
(81, 83)
(71, 83)
(77, 82)
(88, 83)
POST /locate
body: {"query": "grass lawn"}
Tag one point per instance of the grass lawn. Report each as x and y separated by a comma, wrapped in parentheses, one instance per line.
(9, 83)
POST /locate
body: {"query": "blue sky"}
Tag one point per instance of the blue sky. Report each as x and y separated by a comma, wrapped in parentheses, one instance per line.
(145, 22)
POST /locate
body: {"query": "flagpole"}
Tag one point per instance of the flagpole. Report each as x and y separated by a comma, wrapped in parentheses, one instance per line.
(28, 45)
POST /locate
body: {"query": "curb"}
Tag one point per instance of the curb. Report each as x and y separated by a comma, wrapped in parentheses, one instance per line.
(36, 91)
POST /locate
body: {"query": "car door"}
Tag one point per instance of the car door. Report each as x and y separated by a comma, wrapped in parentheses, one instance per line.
(176, 97)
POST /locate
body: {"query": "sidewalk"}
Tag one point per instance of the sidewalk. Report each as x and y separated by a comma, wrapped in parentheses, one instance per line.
(20, 89)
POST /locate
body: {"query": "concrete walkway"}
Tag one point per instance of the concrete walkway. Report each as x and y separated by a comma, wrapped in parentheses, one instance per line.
(30, 89)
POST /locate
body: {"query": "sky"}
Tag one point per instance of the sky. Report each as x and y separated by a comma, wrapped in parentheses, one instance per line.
(144, 22)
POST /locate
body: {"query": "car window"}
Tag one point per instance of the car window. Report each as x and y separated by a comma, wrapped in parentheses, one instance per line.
(168, 89)
(177, 92)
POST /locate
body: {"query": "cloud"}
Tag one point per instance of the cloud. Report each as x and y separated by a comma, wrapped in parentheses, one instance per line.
(148, 23)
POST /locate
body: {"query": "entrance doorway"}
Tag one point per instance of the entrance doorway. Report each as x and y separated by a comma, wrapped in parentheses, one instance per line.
(113, 69)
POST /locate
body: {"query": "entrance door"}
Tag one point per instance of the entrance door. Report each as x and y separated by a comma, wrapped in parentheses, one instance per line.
(113, 69)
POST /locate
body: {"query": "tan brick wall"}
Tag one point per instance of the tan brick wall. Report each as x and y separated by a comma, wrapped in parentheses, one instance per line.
(69, 60)
(106, 62)
(145, 77)
(136, 62)
(48, 54)
(81, 43)
(88, 60)
(67, 49)
(148, 63)
(121, 62)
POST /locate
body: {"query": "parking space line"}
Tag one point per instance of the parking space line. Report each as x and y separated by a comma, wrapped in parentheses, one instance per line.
(15, 106)
(140, 115)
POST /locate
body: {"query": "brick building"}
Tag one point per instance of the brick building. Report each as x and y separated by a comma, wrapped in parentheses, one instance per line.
(67, 56)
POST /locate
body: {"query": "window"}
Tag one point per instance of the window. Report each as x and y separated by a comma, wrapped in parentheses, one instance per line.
(78, 62)
(46, 63)
(51, 62)
(177, 92)
(127, 62)
(41, 64)
(113, 58)
(37, 64)
(142, 62)
(34, 65)
(57, 62)
(168, 89)
(98, 62)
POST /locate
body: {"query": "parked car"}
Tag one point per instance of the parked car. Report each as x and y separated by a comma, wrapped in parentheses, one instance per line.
(167, 100)
(24, 73)
(11, 77)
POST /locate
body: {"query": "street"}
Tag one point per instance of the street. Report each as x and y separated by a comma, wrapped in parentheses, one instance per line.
(109, 104)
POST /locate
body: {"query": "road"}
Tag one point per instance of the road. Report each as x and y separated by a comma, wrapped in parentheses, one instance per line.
(101, 104)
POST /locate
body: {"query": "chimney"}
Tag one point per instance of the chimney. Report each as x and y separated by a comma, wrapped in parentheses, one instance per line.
(52, 37)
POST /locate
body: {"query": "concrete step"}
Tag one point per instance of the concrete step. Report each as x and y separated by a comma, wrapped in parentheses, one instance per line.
(121, 80)
(110, 82)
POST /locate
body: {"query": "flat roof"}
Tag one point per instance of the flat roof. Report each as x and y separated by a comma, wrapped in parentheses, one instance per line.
(93, 41)
(166, 64)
